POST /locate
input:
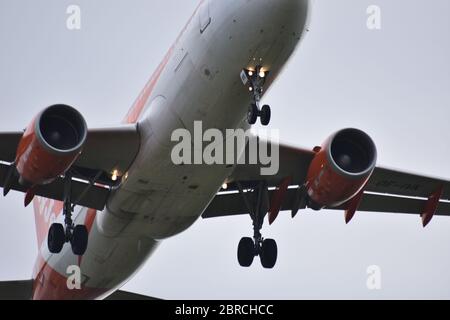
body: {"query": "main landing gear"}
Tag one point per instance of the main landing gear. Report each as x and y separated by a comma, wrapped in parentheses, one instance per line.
(249, 248)
(255, 81)
(58, 234)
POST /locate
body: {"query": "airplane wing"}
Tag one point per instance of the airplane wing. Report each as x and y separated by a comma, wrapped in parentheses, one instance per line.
(388, 190)
(105, 150)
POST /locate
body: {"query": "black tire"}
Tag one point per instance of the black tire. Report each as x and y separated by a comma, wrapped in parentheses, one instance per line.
(265, 115)
(252, 114)
(269, 253)
(246, 252)
(79, 240)
(56, 238)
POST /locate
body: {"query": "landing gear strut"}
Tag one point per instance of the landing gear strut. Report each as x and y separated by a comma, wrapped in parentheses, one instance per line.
(58, 234)
(256, 80)
(250, 248)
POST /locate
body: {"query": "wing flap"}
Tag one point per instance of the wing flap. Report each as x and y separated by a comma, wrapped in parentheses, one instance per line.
(389, 181)
(395, 204)
(293, 162)
(388, 190)
(83, 194)
(106, 150)
(232, 204)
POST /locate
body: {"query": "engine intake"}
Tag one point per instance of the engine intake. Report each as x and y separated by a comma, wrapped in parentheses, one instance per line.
(50, 145)
(352, 152)
(62, 129)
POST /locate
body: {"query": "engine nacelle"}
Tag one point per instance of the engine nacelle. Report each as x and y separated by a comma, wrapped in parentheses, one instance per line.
(340, 169)
(50, 145)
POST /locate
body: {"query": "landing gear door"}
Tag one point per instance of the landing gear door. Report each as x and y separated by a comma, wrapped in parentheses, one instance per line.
(205, 17)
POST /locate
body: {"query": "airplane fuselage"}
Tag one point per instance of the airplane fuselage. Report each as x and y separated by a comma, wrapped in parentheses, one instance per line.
(198, 80)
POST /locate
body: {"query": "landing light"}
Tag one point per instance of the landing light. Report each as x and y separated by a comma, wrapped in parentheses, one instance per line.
(115, 175)
(262, 74)
(250, 89)
(250, 73)
(225, 186)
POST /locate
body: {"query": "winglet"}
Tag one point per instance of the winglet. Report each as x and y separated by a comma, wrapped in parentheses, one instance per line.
(431, 206)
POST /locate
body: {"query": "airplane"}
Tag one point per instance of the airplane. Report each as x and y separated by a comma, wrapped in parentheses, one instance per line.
(105, 198)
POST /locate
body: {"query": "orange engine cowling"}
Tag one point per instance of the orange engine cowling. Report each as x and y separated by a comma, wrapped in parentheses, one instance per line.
(340, 169)
(50, 145)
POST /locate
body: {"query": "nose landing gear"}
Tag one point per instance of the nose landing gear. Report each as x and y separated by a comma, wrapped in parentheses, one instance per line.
(255, 81)
(58, 234)
(250, 248)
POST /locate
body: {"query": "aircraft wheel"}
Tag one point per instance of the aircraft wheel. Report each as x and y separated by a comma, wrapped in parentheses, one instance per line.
(265, 115)
(252, 114)
(79, 240)
(246, 252)
(56, 238)
(269, 253)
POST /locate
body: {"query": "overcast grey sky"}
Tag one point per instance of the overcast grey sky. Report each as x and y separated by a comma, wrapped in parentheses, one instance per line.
(393, 83)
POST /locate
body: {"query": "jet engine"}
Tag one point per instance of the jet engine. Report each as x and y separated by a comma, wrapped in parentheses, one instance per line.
(340, 169)
(50, 145)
